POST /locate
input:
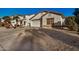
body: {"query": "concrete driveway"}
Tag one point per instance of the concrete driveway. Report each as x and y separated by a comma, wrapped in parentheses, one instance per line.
(38, 40)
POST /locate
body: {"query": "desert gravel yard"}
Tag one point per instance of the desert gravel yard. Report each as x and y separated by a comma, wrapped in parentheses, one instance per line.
(38, 40)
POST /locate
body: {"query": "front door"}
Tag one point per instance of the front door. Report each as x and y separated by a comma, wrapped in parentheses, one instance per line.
(50, 22)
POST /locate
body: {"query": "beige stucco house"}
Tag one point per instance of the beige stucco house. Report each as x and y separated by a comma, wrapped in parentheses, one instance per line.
(47, 19)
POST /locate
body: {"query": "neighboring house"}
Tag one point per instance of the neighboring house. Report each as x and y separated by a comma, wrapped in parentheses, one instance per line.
(13, 22)
(27, 21)
(47, 19)
(23, 20)
(20, 20)
(17, 20)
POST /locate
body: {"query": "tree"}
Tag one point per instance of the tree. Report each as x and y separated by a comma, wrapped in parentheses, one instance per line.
(7, 21)
(76, 13)
(0, 21)
(70, 22)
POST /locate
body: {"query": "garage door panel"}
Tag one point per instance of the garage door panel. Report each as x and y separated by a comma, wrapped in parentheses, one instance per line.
(35, 23)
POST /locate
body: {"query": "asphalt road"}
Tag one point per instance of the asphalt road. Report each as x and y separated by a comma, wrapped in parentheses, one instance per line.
(37, 40)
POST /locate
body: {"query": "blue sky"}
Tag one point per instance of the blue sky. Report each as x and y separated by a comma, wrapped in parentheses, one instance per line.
(14, 11)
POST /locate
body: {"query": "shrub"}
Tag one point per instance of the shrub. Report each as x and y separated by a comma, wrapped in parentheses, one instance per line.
(70, 23)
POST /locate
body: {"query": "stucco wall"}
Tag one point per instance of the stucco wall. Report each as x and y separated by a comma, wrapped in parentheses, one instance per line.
(13, 22)
(27, 17)
(58, 20)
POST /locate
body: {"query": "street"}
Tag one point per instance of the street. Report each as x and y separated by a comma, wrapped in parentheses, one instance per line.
(37, 40)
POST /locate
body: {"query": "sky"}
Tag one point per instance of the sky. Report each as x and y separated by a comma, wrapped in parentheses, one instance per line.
(24, 11)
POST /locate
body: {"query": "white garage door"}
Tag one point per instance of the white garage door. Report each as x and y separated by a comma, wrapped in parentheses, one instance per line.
(35, 23)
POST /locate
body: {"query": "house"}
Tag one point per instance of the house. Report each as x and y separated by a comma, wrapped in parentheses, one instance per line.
(27, 21)
(21, 20)
(17, 20)
(13, 22)
(47, 19)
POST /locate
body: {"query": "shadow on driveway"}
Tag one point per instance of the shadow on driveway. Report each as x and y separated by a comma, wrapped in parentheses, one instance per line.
(25, 44)
(70, 40)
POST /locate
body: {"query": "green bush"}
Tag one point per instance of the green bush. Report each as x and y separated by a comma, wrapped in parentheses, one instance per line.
(70, 23)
